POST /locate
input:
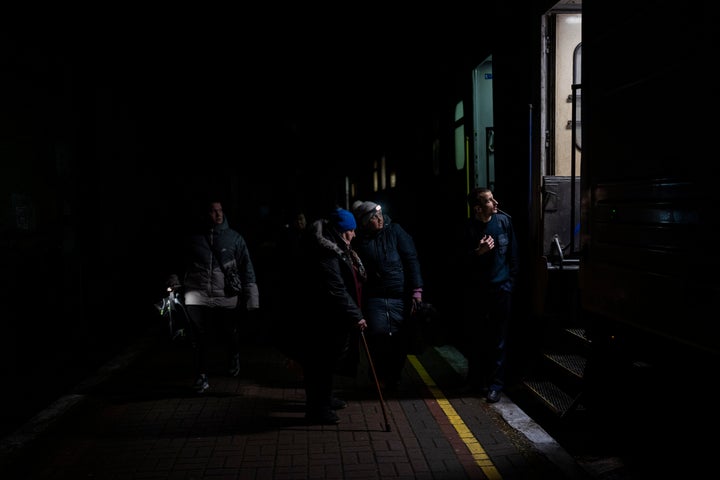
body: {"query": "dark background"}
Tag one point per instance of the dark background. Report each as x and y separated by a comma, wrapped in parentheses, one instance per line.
(117, 121)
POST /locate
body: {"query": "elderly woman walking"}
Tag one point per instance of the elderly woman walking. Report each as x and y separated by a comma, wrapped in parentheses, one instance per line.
(392, 291)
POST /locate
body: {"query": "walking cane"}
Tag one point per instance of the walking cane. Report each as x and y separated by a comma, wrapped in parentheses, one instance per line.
(377, 384)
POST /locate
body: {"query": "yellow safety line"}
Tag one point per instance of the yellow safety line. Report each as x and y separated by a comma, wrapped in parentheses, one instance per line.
(478, 452)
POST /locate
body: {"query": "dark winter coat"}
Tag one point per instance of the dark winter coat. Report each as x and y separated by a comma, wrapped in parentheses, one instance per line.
(331, 287)
(203, 272)
(331, 279)
(393, 273)
(498, 268)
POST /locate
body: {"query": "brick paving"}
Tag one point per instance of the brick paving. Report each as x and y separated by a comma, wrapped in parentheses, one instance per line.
(143, 421)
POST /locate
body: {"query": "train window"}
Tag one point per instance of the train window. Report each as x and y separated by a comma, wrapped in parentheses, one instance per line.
(383, 173)
(459, 136)
(564, 99)
(380, 175)
(483, 165)
(376, 176)
(577, 82)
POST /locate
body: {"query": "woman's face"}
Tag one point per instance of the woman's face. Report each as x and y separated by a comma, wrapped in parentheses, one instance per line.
(347, 236)
(376, 221)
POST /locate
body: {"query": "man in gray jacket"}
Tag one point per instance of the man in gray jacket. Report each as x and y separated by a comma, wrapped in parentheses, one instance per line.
(210, 307)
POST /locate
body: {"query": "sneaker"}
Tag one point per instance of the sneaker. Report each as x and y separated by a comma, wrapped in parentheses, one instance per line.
(324, 417)
(493, 396)
(337, 403)
(201, 384)
(234, 370)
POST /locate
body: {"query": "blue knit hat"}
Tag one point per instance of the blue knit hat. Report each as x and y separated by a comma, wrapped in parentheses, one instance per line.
(342, 220)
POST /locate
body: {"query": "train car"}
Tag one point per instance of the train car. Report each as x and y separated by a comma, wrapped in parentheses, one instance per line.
(601, 164)
(647, 283)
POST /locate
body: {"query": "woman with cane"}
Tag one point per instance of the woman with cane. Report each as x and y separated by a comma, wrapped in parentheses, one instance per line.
(334, 281)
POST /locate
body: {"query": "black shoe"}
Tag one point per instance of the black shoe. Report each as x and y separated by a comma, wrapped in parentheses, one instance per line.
(493, 396)
(325, 417)
(337, 404)
(201, 384)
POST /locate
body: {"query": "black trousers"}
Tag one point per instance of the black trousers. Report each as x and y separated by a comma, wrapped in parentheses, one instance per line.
(487, 318)
(388, 352)
(209, 324)
(326, 355)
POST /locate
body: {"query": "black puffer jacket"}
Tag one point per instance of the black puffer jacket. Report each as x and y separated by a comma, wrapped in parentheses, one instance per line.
(203, 272)
(393, 274)
(391, 261)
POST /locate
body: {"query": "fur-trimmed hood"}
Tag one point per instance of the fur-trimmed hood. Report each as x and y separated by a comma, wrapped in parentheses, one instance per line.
(327, 238)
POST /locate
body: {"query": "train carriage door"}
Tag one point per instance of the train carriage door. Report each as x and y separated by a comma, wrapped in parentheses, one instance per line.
(483, 133)
(560, 128)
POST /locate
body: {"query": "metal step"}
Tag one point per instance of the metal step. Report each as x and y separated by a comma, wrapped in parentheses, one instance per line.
(579, 333)
(575, 364)
(552, 396)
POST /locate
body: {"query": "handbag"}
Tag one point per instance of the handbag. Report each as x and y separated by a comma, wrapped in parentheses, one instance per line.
(423, 328)
(233, 283)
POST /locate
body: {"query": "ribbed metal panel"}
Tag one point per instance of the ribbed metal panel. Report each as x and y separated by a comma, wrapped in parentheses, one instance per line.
(574, 364)
(553, 397)
(578, 332)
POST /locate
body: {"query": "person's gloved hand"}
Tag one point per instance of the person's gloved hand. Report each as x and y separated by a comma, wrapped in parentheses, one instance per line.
(416, 306)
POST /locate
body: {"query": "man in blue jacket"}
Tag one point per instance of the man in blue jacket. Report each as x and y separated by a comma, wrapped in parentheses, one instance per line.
(492, 259)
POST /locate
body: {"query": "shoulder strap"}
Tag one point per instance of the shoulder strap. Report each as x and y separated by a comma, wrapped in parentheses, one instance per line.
(215, 254)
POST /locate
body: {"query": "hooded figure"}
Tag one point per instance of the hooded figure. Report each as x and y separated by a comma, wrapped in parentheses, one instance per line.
(209, 253)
